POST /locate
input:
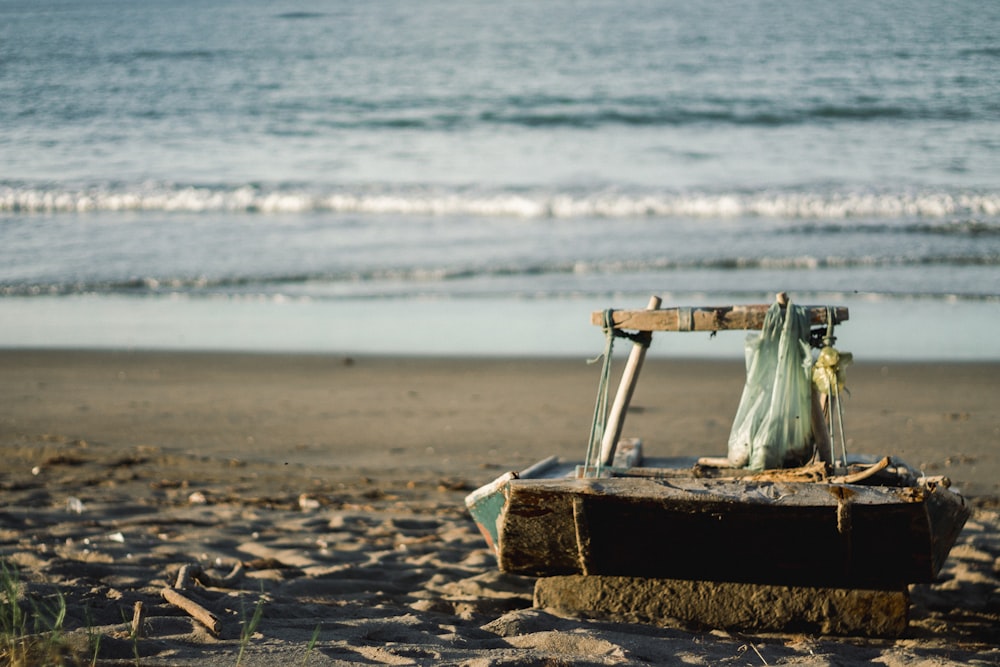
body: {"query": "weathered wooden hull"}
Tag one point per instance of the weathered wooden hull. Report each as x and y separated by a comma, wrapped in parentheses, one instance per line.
(815, 526)
(791, 533)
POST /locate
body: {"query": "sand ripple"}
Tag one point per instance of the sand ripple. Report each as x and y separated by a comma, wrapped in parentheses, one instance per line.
(377, 570)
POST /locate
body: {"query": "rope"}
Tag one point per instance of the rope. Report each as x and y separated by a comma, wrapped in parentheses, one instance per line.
(840, 405)
(599, 422)
(828, 378)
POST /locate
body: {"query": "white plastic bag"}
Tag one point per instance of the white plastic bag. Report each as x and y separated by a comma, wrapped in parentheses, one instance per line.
(773, 425)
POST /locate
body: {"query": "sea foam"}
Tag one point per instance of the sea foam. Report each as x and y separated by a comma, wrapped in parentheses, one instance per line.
(532, 204)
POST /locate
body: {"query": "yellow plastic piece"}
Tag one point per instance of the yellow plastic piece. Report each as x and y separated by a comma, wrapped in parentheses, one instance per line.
(830, 371)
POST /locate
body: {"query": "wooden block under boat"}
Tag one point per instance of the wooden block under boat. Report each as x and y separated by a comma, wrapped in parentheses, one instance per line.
(740, 607)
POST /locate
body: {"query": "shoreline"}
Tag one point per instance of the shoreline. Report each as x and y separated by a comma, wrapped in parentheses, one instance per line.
(493, 327)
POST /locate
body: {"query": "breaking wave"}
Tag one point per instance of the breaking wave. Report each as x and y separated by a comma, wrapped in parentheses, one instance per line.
(15, 199)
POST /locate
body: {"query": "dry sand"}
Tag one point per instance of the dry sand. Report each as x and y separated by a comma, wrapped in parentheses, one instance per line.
(339, 484)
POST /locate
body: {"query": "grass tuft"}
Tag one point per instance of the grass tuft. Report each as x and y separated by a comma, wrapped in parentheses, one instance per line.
(312, 642)
(31, 629)
(250, 627)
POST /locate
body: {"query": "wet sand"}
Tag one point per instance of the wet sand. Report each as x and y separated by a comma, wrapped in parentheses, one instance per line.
(338, 483)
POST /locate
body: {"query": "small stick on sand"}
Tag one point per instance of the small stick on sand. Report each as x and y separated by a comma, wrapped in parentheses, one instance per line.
(186, 575)
(199, 613)
(137, 619)
(192, 572)
(228, 581)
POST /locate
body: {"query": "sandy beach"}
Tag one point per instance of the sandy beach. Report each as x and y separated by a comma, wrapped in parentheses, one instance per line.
(337, 484)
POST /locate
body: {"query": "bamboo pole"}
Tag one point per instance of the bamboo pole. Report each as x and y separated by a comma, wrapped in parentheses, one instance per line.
(630, 377)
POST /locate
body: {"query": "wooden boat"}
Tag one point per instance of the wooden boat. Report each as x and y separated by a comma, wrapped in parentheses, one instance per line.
(854, 523)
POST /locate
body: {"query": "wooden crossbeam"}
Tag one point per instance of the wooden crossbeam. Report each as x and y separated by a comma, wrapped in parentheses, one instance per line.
(706, 318)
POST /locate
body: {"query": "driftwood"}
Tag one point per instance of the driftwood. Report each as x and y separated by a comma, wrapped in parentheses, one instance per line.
(187, 576)
(862, 475)
(192, 608)
(137, 618)
(192, 572)
(721, 469)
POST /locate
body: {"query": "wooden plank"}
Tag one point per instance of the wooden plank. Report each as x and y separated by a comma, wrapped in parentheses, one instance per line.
(706, 318)
(698, 491)
(628, 453)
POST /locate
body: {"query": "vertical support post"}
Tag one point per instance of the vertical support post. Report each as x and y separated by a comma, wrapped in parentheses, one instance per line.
(630, 376)
(821, 434)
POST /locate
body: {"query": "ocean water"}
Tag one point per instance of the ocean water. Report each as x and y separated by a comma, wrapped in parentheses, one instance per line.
(475, 177)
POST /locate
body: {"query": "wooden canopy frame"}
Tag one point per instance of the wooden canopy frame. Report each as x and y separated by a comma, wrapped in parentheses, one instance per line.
(682, 318)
